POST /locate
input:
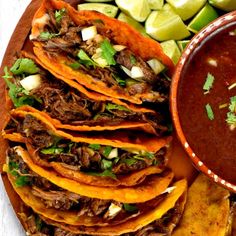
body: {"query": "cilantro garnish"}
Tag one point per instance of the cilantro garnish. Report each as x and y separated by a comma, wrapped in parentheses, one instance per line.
(59, 14)
(47, 35)
(108, 52)
(105, 173)
(129, 161)
(85, 59)
(107, 150)
(133, 59)
(208, 83)
(18, 95)
(52, 150)
(142, 156)
(119, 80)
(111, 106)
(130, 207)
(210, 112)
(95, 147)
(75, 65)
(24, 66)
(106, 164)
(231, 115)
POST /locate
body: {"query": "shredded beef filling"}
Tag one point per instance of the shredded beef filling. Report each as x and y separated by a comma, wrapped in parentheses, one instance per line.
(68, 40)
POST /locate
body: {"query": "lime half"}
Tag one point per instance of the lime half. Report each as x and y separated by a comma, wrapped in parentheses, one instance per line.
(182, 44)
(165, 25)
(123, 17)
(156, 4)
(104, 8)
(171, 49)
(186, 8)
(226, 5)
(203, 18)
(139, 10)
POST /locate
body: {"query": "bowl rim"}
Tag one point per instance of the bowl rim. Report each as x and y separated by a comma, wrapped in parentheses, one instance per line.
(195, 41)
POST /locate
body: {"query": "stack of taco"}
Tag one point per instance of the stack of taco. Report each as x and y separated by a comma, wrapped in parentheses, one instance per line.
(87, 131)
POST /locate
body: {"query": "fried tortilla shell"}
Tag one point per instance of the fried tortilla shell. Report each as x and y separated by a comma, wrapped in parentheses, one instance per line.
(147, 190)
(134, 225)
(118, 32)
(207, 209)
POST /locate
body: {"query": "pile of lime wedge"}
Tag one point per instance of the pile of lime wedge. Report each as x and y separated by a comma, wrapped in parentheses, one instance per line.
(171, 22)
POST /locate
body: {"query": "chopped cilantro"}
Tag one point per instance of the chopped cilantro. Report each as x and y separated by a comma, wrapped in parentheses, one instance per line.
(111, 106)
(130, 207)
(231, 115)
(75, 65)
(108, 52)
(107, 150)
(120, 81)
(85, 59)
(208, 83)
(95, 147)
(106, 164)
(24, 66)
(39, 223)
(52, 150)
(209, 111)
(105, 173)
(142, 156)
(22, 181)
(47, 35)
(129, 161)
(59, 14)
(133, 59)
(149, 155)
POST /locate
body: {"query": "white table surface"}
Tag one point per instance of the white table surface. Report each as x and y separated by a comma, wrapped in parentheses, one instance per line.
(10, 13)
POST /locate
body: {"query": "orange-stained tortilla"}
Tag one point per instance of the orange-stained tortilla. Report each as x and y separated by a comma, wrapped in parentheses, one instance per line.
(137, 223)
(118, 139)
(121, 33)
(149, 189)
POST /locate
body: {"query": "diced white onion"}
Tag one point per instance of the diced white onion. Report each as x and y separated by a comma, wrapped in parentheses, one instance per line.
(113, 153)
(100, 61)
(136, 72)
(169, 190)
(89, 33)
(156, 65)
(119, 48)
(212, 62)
(127, 71)
(114, 209)
(31, 82)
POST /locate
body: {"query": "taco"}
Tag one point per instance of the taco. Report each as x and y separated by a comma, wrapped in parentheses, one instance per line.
(100, 53)
(70, 106)
(94, 159)
(161, 220)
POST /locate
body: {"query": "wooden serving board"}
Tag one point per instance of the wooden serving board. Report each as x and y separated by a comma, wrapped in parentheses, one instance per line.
(179, 161)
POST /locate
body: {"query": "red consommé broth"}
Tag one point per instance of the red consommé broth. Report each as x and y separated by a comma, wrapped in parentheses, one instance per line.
(211, 140)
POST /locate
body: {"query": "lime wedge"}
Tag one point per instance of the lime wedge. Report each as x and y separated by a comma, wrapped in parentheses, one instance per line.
(186, 8)
(123, 17)
(155, 4)
(171, 49)
(182, 44)
(98, 0)
(104, 8)
(165, 25)
(139, 10)
(203, 18)
(225, 5)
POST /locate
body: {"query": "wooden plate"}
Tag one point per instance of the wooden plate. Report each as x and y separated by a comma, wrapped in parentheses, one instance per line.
(179, 161)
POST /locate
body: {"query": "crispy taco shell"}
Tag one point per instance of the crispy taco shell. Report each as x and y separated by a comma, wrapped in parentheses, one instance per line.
(147, 190)
(120, 33)
(137, 223)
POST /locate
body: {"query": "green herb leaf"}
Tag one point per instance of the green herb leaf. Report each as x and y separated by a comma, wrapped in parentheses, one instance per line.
(149, 155)
(85, 59)
(111, 106)
(107, 150)
(120, 81)
(209, 111)
(24, 66)
(108, 52)
(208, 83)
(47, 35)
(133, 59)
(130, 207)
(59, 14)
(95, 147)
(231, 115)
(105, 173)
(39, 223)
(74, 65)
(22, 181)
(129, 161)
(52, 150)
(106, 164)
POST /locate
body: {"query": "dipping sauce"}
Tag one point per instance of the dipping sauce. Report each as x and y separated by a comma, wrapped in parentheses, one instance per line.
(209, 135)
